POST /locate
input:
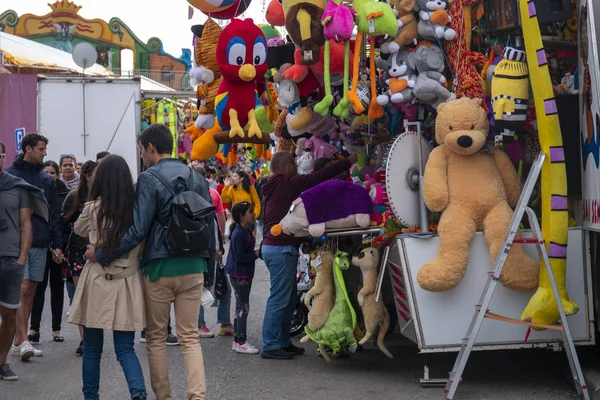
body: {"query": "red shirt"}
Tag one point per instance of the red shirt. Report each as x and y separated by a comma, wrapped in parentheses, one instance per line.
(280, 191)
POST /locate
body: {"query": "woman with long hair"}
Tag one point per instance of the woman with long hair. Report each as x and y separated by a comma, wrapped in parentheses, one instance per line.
(110, 297)
(53, 275)
(240, 268)
(239, 188)
(75, 245)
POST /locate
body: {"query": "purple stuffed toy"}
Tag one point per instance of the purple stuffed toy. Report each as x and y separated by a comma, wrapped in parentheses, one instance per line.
(337, 21)
(333, 204)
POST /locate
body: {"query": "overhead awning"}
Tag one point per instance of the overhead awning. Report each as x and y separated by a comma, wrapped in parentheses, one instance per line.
(25, 53)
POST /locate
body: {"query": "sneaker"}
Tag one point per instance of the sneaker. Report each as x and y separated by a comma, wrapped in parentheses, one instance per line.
(204, 332)
(141, 397)
(246, 348)
(225, 330)
(294, 349)
(143, 337)
(25, 350)
(7, 374)
(69, 312)
(79, 350)
(234, 346)
(278, 354)
(172, 340)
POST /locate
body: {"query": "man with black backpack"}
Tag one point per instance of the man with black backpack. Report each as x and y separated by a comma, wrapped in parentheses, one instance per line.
(173, 213)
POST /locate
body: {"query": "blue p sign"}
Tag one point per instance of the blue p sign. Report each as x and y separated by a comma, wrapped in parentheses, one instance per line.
(19, 135)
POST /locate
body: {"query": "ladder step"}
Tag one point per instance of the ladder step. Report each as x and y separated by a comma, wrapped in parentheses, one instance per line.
(528, 241)
(502, 318)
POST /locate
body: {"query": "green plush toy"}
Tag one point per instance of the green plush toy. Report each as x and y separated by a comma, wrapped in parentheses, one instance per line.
(340, 325)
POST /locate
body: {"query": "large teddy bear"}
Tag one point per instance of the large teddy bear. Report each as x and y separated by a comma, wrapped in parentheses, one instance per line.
(474, 186)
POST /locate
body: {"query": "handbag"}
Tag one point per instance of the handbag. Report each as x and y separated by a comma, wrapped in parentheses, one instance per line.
(220, 287)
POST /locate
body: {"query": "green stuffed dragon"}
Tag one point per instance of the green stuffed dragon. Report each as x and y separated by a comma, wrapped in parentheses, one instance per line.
(340, 325)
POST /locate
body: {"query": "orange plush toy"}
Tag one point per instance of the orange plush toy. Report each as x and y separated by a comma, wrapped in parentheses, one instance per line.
(204, 52)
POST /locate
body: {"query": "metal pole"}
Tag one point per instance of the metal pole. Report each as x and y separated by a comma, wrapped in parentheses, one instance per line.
(422, 207)
(84, 128)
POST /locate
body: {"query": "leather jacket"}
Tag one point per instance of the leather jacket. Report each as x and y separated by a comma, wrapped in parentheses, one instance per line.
(152, 210)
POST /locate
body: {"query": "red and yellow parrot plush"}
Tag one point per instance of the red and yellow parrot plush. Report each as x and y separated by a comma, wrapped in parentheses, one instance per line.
(242, 59)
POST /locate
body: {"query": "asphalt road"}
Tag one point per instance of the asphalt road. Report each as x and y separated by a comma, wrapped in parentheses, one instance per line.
(368, 374)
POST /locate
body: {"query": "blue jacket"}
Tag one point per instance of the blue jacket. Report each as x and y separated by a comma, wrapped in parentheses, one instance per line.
(152, 209)
(44, 234)
(241, 257)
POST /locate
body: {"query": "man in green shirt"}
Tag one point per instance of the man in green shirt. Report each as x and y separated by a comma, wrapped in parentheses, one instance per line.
(167, 279)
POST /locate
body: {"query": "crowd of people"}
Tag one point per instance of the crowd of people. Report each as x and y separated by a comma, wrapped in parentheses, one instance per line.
(112, 242)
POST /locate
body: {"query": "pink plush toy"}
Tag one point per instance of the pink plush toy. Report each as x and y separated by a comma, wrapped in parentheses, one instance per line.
(320, 148)
(380, 199)
(338, 21)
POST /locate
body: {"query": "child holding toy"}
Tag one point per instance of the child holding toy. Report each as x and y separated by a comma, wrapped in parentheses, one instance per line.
(240, 268)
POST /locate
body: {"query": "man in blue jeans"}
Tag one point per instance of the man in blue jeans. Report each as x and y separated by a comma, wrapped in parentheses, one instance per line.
(280, 253)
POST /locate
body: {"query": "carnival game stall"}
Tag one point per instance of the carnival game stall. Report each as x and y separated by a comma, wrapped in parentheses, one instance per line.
(464, 118)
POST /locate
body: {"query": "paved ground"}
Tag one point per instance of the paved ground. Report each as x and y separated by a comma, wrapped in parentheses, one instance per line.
(534, 374)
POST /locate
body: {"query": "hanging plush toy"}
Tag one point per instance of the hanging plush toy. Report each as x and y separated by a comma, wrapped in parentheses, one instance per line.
(430, 88)
(408, 34)
(208, 75)
(510, 93)
(303, 23)
(400, 79)
(274, 14)
(374, 19)
(242, 55)
(322, 293)
(434, 19)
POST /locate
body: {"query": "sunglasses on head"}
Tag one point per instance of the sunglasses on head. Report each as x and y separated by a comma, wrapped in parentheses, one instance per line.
(67, 156)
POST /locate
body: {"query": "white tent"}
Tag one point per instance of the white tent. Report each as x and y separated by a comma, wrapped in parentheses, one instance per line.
(25, 53)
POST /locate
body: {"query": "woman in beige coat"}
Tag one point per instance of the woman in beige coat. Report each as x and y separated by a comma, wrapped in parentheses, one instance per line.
(110, 297)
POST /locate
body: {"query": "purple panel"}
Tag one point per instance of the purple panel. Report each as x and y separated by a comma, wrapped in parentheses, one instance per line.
(557, 154)
(531, 8)
(557, 251)
(541, 57)
(558, 202)
(18, 109)
(550, 107)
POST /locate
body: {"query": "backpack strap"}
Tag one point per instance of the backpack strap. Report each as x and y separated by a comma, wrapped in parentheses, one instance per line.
(163, 181)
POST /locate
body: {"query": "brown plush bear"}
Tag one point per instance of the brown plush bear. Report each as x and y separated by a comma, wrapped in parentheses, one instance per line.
(475, 187)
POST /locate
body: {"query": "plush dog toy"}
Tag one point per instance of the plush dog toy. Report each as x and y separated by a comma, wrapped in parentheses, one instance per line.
(242, 58)
(377, 319)
(319, 208)
(430, 87)
(400, 79)
(474, 186)
(434, 19)
(303, 23)
(322, 293)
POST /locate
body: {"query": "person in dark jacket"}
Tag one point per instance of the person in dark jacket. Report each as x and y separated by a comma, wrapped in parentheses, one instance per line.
(167, 279)
(240, 268)
(280, 253)
(28, 166)
(53, 275)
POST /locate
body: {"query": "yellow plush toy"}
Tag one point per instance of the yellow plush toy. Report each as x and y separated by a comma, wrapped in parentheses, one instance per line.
(474, 187)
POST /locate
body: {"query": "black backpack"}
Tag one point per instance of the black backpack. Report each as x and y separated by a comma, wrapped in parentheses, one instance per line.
(188, 231)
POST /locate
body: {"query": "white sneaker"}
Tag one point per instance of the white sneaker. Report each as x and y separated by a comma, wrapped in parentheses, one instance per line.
(234, 346)
(26, 351)
(246, 348)
(69, 312)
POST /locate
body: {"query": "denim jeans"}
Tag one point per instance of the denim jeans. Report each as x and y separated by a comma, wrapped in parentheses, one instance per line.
(282, 262)
(242, 289)
(223, 309)
(93, 341)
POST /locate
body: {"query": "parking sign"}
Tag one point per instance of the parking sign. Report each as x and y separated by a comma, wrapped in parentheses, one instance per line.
(19, 135)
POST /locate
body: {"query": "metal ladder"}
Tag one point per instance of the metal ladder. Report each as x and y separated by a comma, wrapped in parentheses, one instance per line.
(482, 310)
